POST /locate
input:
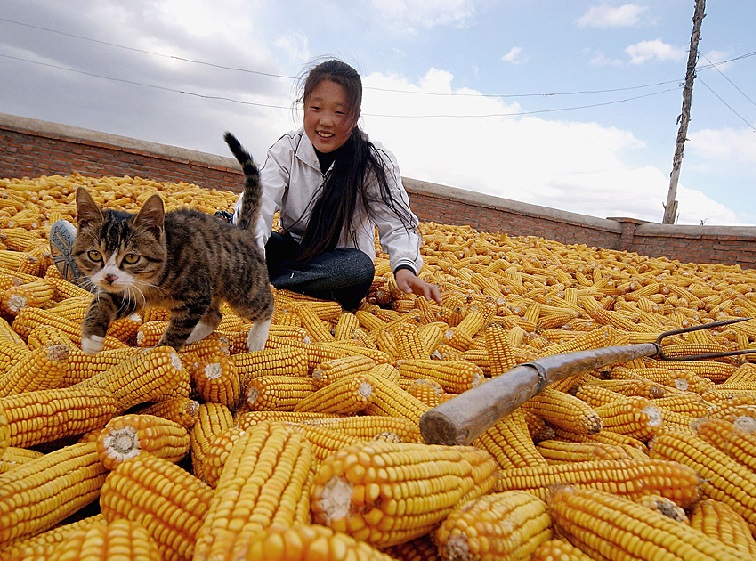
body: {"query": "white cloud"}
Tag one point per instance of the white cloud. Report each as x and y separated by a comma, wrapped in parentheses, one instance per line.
(598, 58)
(514, 55)
(626, 15)
(572, 166)
(735, 146)
(409, 15)
(654, 50)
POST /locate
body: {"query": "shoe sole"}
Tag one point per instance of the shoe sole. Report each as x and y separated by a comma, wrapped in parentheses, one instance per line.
(61, 241)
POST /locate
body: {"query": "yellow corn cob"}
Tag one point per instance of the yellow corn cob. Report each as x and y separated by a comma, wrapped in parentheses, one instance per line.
(634, 447)
(20, 262)
(128, 436)
(30, 318)
(633, 416)
(324, 440)
(218, 380)
(314, 325)
(460, 337)
(212, 419)
(82, 366)
(330, 370)
(565, 411)
(558, 549)
(369, 321)
(43, 545)
(247, 419)
(345, 326)
(62, 288)
(500, 353)
(386, 371)
(630, 478)
(409, 343)
(432, 334)
(5, 431)
(600, 522)
(216, 454)
(308, 541)
(713, 370)
(170, 503)
(41, 493)
(19, 239)
(44, 335)
(280, 361)
(743, 378)
(368, 427)
(690, 403)
(344, 396)
(8, 335)
(722, 477)
(181, 410)
(638, 386)
(150, 332)
(509, 525)
(353, 347)
(278, 392)
(559, 452)
(389, 399)
(41, 369)
(719, 521)
(15, 456)
(121, 538)
(47, 415)
(126, 328)
(322, 352)
(35, 294)
(510, 443)
(683, 380)
(427, 391)
(381, 492)
(595, 395)
(455, 376)
(148, 376)
(663, 506)
(264, 480)
(209, 347)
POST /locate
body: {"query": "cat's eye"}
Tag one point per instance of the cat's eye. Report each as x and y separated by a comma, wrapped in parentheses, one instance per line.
(131, 258)
(94, 255)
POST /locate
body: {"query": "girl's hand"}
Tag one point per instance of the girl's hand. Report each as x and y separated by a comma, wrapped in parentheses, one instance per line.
(410, 283)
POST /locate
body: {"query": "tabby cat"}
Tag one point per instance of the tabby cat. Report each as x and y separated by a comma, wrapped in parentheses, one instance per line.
(183, 260)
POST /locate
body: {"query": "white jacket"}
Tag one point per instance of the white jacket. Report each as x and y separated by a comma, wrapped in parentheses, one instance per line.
(291, 178)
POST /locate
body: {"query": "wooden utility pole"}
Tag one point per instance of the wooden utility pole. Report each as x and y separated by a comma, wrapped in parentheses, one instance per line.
(670, 209)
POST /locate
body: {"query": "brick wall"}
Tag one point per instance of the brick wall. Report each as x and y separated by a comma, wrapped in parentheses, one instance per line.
(32, 148)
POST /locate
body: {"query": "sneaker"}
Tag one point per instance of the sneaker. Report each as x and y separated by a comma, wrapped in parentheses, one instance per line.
(62, 236)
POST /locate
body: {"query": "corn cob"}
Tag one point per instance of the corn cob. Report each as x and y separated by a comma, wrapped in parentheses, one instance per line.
(29, 318)
(368, 427)
(216, 454)
(637, 386)
(314, 325)
(600, 522)
(633, 416)
(41, 369)
(558, 550)
(735, 438)
(595, 395)
(20, 262)
(719, 521)
(148, 376)
(461, 335)
(181, 410)
(15, 456)
(419, 549)
(212, 419)
(121, 538)
(330, 370)
(381, 492)
(41, 493)
(324, 440)
(262, 484)
(128, 436)
(500, 353)
(218, 380)
(35, 294)
(246, 419)
(509, 525)
(391, 400)
(565, 411)
(170, 503)
(455, 376)
(713, 370)
(346, 395)
(46, 415)
(559, 452)
(631, 478)
(278, 392)
(743, 378)
(664, 506)
(510, 443)
(308, 541)
(722, 477)
(428, 391)
(280, 361)
(43, 545)
(409, 343)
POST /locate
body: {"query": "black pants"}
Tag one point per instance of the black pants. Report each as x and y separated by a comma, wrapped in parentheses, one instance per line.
(342, 274)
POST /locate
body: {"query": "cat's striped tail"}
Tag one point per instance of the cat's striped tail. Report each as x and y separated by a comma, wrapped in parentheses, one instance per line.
(252, 199)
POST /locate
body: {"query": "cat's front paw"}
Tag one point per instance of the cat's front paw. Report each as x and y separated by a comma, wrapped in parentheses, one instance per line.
(258, 335)
(92, 344)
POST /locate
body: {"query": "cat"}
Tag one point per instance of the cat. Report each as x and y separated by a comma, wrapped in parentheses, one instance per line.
(183, 260)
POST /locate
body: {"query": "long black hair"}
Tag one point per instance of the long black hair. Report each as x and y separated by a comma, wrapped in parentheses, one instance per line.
(357, 164)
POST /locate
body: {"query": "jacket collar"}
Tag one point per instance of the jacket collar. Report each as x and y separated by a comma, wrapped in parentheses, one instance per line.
(305, 151)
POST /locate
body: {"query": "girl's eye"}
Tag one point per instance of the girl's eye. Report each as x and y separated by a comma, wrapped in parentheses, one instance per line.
(131, 258)
(94, 255)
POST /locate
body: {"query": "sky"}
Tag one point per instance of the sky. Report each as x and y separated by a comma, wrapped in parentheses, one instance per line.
(568, 104)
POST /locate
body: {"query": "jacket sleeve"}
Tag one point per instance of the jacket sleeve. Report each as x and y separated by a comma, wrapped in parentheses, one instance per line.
(402, 243)
(274, 175)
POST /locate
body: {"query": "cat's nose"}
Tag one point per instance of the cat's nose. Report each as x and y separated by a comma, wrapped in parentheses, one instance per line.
(109, 278)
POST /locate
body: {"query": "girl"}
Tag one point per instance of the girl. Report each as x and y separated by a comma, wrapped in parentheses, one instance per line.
(332, 187)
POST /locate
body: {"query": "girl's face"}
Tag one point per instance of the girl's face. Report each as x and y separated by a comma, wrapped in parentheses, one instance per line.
(327, 122)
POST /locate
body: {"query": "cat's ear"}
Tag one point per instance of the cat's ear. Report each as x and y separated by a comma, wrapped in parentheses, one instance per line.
(87, 211)
(152, 215)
